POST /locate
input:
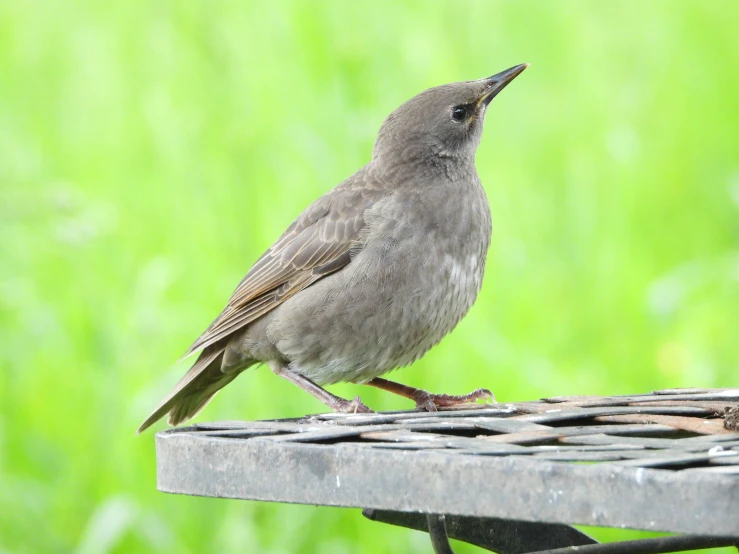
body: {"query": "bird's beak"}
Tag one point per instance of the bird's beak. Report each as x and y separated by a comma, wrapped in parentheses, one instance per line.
(496, 83)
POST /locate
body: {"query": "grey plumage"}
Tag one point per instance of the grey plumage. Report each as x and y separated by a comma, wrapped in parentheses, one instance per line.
(372, 274)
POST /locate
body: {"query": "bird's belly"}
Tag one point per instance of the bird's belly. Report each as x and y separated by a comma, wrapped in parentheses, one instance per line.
(378, 314)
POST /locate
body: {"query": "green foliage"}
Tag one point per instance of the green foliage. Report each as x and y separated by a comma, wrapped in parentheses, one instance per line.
(150, 151)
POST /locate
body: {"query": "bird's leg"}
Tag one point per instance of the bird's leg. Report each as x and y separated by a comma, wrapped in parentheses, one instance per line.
(334, 402)
(427, 400)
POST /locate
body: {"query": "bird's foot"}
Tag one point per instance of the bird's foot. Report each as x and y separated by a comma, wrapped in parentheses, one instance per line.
(430, 402)
(334, 402)
(354, 406)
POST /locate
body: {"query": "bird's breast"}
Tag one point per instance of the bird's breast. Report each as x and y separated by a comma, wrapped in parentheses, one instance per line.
(429, 269)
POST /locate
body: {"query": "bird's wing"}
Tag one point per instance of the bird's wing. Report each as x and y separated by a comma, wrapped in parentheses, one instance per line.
(316, 244)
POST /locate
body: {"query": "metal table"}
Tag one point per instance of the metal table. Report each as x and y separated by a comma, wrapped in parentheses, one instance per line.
(508, 477)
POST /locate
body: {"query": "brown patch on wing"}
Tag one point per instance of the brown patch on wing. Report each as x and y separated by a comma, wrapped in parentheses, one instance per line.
(315, 245)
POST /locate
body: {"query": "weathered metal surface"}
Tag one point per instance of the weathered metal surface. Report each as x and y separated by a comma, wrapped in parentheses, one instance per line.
(662, 461)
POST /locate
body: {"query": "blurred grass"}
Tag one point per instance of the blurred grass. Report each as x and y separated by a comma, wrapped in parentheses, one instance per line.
(149, 152)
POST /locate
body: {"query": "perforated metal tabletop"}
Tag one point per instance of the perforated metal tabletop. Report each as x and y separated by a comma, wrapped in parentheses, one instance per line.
(665, 461)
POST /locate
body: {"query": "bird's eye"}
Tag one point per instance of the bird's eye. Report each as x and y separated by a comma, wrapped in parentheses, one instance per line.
(459, 113)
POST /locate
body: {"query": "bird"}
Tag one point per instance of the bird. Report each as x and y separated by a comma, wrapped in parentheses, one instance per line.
(371, 275)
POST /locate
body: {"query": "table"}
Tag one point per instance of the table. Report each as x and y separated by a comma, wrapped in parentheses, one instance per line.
(509, 477)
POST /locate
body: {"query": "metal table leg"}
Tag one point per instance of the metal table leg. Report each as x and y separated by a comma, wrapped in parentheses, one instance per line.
(498, 535)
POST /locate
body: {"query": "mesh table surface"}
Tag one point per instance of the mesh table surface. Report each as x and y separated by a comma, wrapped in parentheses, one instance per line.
(665, 461)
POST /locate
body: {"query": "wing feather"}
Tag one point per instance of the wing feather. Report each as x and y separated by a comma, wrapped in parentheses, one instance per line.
(316, 244)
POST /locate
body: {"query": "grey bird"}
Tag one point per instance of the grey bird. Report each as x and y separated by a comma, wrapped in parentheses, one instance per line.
(372, 274)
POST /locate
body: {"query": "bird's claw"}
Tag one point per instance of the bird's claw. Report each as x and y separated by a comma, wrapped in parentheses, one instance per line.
(431, 402)
(354, 406)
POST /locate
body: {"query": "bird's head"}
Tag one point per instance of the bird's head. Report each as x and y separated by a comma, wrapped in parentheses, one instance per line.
(441, 122)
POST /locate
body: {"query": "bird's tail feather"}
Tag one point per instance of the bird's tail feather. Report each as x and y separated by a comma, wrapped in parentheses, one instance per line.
(195, 389)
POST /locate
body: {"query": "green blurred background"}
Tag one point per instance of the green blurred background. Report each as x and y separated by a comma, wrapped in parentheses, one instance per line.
(150, 151)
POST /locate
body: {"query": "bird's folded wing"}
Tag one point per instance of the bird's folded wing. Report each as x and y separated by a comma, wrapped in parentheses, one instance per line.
(318, 243)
